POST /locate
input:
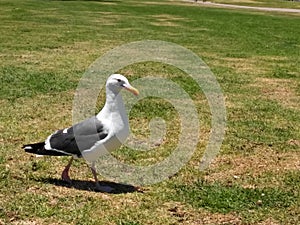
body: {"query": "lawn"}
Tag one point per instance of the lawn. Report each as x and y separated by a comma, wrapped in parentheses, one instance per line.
(46, 46)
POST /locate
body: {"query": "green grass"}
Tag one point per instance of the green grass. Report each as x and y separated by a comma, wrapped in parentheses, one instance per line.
(47, 45)
(19, 82)
(219, 198)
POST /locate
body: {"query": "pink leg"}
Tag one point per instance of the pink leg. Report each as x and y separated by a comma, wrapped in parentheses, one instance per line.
(98, 186)
(95, 175)
(65, 173)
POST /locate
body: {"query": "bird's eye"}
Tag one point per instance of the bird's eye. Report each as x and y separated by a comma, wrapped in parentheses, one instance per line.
(119, 80)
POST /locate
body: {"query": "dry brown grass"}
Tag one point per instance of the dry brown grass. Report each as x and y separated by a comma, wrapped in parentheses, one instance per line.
(245, 168)
(34, 222)
(60, 58)
(167, 20)
(245, 65)
(269, 221)
(280, 90)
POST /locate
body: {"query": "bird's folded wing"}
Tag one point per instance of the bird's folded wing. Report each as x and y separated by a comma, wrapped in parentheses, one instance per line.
(81, 136)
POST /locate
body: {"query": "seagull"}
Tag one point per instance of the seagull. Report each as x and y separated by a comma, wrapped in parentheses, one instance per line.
(94, 136)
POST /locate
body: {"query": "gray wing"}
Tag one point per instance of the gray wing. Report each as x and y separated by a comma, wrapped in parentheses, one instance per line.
(88, 132)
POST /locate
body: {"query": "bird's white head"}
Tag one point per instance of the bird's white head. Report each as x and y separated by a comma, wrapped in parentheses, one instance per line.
(117, 82)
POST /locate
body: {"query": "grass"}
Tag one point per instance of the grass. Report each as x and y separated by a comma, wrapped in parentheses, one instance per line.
(219, 198)
(46, 47)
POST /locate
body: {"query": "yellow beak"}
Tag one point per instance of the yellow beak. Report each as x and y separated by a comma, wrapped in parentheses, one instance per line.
(132, 89)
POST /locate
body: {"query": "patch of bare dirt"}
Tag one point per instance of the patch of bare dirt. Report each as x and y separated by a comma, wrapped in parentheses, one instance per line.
(34, 221)
(218, 218)
(268, 222)
(189, 216)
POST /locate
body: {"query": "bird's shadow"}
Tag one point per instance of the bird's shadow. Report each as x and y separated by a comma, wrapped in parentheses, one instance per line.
(117, 188)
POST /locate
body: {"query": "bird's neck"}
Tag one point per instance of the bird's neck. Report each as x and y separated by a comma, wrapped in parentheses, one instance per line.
(113, 104)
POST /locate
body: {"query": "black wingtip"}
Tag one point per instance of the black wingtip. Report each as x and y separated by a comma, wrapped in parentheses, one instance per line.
(34, 147)
(39, 149)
